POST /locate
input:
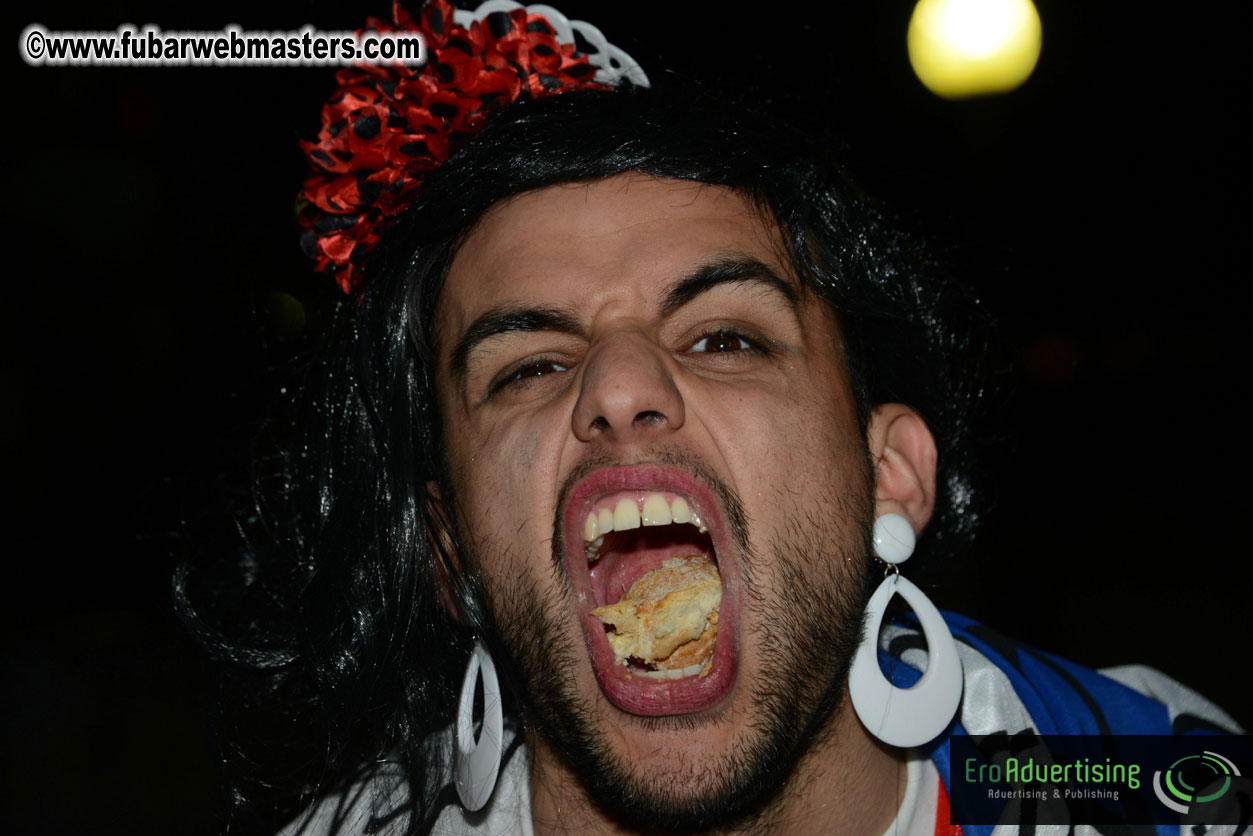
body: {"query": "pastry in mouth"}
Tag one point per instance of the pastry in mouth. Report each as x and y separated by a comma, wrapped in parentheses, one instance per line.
(666, 624)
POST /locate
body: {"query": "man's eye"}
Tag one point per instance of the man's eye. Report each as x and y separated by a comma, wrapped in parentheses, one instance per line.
(525, 374)
(722, 343)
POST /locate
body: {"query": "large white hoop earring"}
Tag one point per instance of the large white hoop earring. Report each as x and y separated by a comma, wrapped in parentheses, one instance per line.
(477, 763)
(904, 716)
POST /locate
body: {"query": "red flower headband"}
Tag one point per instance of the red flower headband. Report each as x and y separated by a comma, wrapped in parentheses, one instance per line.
(387, 127)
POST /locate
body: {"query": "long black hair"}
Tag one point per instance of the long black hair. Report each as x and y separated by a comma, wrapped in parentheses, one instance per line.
(332, 624)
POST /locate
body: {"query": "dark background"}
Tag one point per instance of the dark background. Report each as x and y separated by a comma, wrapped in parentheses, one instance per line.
(154, 287)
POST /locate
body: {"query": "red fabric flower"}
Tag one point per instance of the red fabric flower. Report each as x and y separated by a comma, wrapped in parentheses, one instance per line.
(386, 127)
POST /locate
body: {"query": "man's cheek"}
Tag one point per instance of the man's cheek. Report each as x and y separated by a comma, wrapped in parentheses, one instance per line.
(527, 451)
(783, 442)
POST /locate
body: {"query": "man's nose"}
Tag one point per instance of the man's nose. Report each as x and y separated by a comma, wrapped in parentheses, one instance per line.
(628, 392)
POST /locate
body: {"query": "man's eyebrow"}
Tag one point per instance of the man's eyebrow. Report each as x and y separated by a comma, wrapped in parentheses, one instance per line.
(733, 269)
(508, 318)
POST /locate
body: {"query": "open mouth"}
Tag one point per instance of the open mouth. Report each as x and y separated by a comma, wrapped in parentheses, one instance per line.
(650, 564)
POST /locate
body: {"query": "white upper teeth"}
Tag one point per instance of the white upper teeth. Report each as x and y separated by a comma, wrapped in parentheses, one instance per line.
(628, 514)
(625, 516)
(656, 510)
(679, 512)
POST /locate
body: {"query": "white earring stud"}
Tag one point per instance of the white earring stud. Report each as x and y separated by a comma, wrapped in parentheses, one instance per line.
(893, 538)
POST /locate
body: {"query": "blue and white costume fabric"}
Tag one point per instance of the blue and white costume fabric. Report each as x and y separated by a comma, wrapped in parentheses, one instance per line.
(1009, 689)
(1014, 690)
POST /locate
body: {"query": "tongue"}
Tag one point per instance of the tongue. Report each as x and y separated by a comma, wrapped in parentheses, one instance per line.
(628, 555)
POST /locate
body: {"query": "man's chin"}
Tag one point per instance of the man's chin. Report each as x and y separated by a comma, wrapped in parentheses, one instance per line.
(677, 773)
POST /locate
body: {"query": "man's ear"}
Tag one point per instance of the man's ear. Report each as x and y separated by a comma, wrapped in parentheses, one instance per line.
(904, 457)
(443, 551)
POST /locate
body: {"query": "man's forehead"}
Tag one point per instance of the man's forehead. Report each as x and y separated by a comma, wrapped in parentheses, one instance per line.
(629, 232)
(630, 194)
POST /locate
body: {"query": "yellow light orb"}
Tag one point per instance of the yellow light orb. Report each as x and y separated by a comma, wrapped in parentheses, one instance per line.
(962, 48)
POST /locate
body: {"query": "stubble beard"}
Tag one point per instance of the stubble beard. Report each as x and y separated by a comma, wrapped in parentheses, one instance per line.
(810, 628)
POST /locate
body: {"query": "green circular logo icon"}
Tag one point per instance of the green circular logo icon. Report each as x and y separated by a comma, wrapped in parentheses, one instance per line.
(1194, 779)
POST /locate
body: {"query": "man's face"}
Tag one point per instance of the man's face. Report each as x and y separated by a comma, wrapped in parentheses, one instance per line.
(639, 338)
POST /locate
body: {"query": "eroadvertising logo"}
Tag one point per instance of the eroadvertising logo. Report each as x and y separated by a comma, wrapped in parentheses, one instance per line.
(1101, 780)
(1194, 779)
